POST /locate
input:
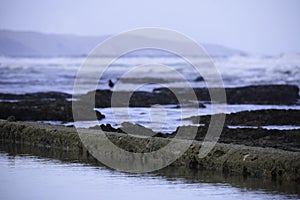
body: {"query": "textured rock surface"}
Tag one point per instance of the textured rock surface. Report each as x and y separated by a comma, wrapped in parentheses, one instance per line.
(260, 94)
(228, 158)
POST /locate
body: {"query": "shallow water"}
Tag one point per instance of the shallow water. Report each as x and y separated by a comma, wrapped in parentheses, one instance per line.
(24, 176)
(166, 119)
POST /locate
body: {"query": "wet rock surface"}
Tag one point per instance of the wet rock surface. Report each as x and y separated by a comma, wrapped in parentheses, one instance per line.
(36, 96)
(280, 139)
(58, 110)
(55, 105)
(256, 136)
(276, 164)
(41, 106)
(107, 98)
(107, 128)
(266, 94)
(260, 137)
(256, 118)
(261, 94)
(245, 151)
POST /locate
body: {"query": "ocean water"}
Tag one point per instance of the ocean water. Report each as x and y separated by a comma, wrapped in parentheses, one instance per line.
(23, 75)
(26, 75)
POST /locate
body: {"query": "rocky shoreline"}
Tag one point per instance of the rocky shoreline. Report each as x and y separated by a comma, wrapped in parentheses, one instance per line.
(250, 152)
(228, 158)
(58, 106)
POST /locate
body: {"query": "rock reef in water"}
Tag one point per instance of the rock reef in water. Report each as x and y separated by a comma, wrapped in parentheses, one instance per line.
(56, 106)
(229, 158)
(52, 106)
(260, 94)
(248, 152)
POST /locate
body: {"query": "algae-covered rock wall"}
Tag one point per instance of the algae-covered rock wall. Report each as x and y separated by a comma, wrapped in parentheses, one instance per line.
(228, 158)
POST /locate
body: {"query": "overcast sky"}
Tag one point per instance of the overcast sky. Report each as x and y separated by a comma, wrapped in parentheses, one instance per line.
(257, 26)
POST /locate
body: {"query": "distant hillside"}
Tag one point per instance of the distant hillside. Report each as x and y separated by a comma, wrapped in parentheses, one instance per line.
(34, 44)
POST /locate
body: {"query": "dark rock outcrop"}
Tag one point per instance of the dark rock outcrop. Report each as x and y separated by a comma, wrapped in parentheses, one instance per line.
(260, 94)
(227, 158)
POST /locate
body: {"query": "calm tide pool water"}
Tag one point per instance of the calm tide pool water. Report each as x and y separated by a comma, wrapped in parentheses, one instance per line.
(24, 176)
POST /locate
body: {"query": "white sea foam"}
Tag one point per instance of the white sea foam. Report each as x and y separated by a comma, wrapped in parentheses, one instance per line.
(21, 75)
